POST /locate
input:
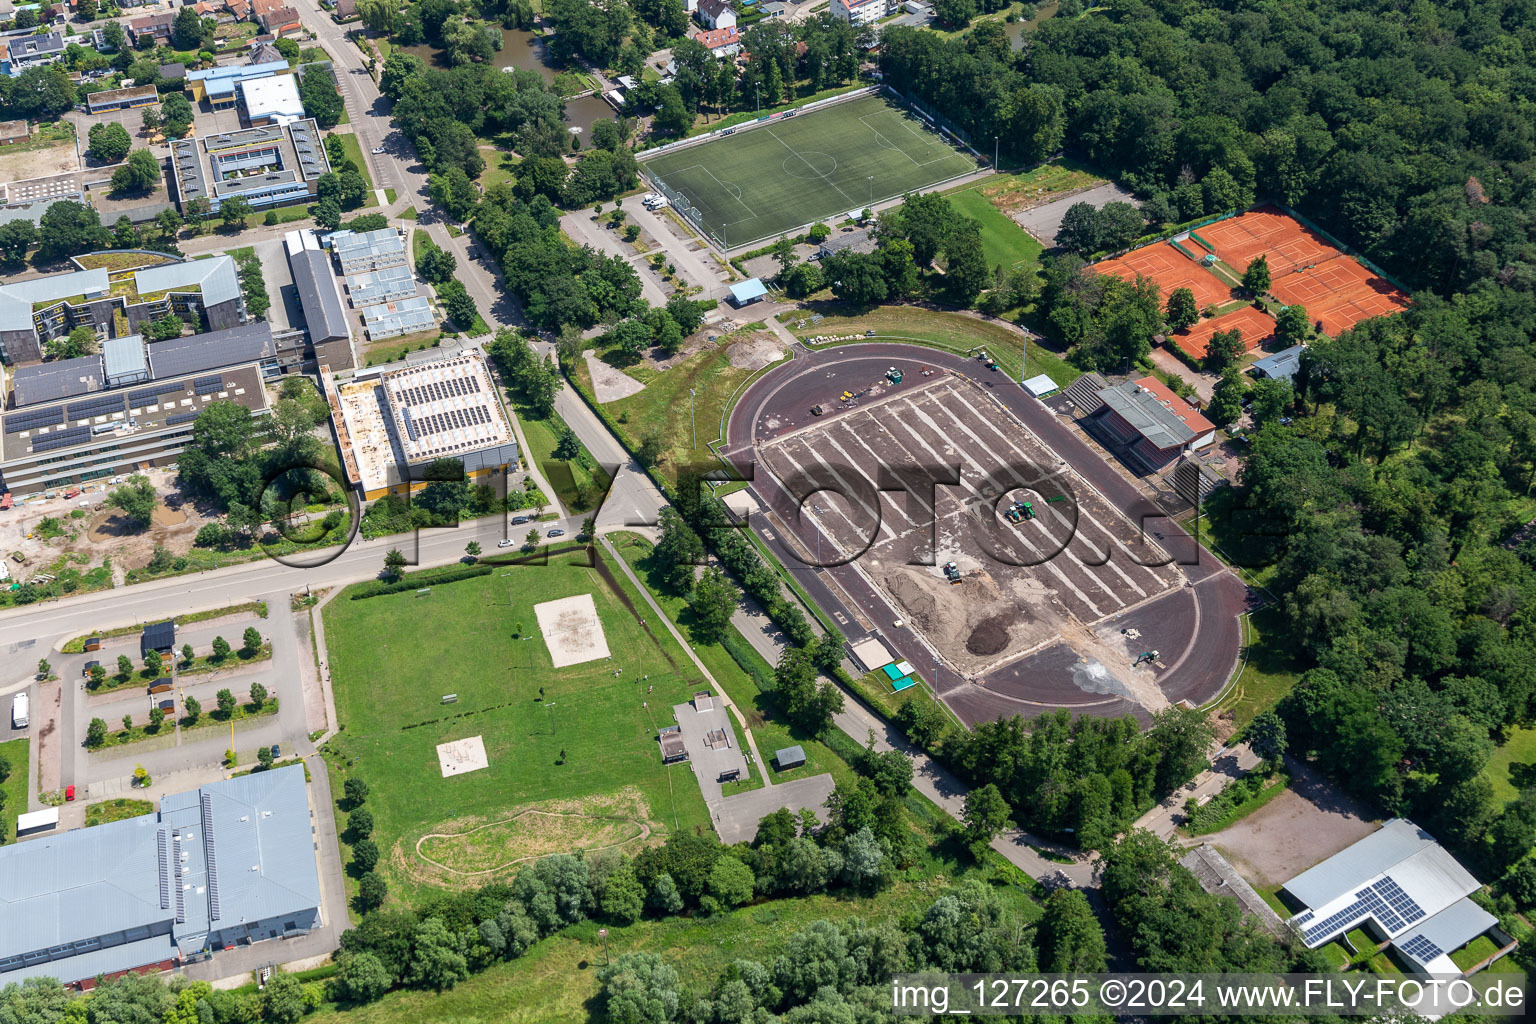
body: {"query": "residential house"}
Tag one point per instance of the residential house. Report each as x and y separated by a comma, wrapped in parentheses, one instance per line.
(157, 26)
(718, 14)
(722, 42)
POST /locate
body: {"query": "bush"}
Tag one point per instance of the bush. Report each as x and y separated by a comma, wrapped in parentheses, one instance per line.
(417, 580)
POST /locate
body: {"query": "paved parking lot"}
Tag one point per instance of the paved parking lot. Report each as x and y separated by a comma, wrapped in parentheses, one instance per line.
(711, 745)
(738, 816)
(1024, 585)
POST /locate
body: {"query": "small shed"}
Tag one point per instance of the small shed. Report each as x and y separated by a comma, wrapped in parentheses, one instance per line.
(158, 636)
(871, 653)
(789, 757)
(672, 749)
(37, 821)
(13, 133)
(747, 292)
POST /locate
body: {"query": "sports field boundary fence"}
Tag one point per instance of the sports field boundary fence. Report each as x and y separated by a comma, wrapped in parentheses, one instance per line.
(937, 121)
(1344, 248)
(695, 219)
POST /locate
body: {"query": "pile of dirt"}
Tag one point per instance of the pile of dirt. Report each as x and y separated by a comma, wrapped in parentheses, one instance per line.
(755, 351)
(989, 637)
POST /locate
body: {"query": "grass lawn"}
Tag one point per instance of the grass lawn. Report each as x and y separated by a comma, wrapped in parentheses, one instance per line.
(116, 810)
(1269, 673)
(354, 152)
(390, 674)
(954, 332)
(663, 407)
(499, 167)
(410, 213)
(14, 787)
(1474, 952)
(1513, 764)
(1003, 242)
(566, 477)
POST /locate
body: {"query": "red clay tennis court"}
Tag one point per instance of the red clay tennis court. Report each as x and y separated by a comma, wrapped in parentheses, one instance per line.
(1256, 326)
(1286, 243)
(1171, 269)
(1337, 294)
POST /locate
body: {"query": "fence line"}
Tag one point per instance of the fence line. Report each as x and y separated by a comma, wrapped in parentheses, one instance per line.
(757, 122)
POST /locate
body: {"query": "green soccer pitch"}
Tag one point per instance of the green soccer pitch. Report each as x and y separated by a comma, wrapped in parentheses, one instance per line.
(765, 180)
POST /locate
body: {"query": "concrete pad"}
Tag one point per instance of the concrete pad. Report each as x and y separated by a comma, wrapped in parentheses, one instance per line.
(572, 630)
(610, 383)
(737, 817)
(456, 757)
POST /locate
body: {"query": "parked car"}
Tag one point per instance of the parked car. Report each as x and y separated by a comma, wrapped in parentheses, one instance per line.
(504, 543)
(377, 150)
(519, 520)
(69, 793)
(557, 532)
(277, 751)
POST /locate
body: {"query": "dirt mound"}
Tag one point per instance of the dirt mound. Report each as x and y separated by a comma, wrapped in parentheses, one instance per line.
(989, 637)
(755, 351)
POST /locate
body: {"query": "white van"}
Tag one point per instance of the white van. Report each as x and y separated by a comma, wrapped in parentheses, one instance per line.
(659, 203)
(20, 711)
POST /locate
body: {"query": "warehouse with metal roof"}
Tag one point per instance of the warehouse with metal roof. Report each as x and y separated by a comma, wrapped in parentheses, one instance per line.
(228, 864)
(1402, 887)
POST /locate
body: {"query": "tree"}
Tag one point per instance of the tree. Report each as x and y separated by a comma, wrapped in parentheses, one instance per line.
(672, 116)
(152, 119)
(1071, 941)
(731, 882)
(355, 790)
(16, 239)
(96, 733)
(1227, 398)
(128, 723)
(1079, 231)
(784, 254)
(460, 307)
(156, 718)
(986, 814)
(640, 988)
(365, 854)
(712, 604)
(234, 210)
(124, 666)
(258, 696)
(187, 31)
(81, 341)
(139, 174)
(1270, 398)
(153, 663)
(177, 111)
(98, 676)
(225, 699)
(327, 214)
(136, 499)
(361, 977)
(360, 823)
(220, 648)
(194, 708)
(1266, 735)
(394, 564)
(650, 451)
(436, 264)
(108, 142)
(167, 327)
(187, 657)
(371, 892)
(116, 36)
(1224, 349)
(251, 640)
(1256, 277)
(317, 91)
(1118, 225)
(1291, 325)
(1182, 311)
(664, 897)
(67, 228)
(437, 956)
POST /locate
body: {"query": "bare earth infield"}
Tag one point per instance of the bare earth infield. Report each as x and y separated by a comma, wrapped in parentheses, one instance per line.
(475, 850)
(1294, 831)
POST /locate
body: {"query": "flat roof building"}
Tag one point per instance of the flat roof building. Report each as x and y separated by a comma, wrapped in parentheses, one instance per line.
(269, 165)
(273, 100)
(861, 241)
(1153, 423)
(377, 286)
(230, 863)
(359, 252)
(396, 421)
(13, 133)
(18, 53)
(221, 86)
(789, 757)
(1402, 887)
(744, 293)
(122, 99)
(404, 316)
(1280, 365)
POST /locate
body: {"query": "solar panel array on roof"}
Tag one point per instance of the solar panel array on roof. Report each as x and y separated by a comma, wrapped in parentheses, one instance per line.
(61, 439)
(197, 353)
(95, 407)
(63, 378)
(208, 385)
(146, 396)
(181, 417)
(165, 870)
(1421, 949)
(19, 421)
(214, 910)
(452, 419)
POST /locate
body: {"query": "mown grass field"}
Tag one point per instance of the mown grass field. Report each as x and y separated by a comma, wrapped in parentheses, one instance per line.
(14, 787)
(393, 657)
(1513, 764)
(566, 477)
(1268, 674)
(1003, 242)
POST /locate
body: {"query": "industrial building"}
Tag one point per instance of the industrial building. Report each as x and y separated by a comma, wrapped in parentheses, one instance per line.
(359, 252)
(1280, 365)
(229, 864)
(394, 421)
(392, 319)
(381, 286)
(133, 406)
(325, 318)
(270, 165)
(1401, 886)
(1146, 420)
(39, 310)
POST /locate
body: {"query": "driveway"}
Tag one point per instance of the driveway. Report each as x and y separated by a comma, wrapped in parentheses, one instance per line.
(737, 817)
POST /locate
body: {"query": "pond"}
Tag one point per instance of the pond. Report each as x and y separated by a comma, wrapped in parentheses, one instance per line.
(523, 49)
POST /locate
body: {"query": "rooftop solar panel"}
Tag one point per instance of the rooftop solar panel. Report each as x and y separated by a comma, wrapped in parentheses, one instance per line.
(19, 421)
(181, 417)
(95, 407)
(145, 396)
(61, 439)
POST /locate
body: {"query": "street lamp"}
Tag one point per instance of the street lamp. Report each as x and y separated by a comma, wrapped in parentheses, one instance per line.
(994, 152)
(691, 421)
(871, 193)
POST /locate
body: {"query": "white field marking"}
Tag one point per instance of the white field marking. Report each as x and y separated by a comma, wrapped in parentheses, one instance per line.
(932, 507)
(1048, 563)
(1083, 514)
(930, 141)
(807, 163)
(873, 513)
(874, 482)
(737, 195)
(889, 144)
